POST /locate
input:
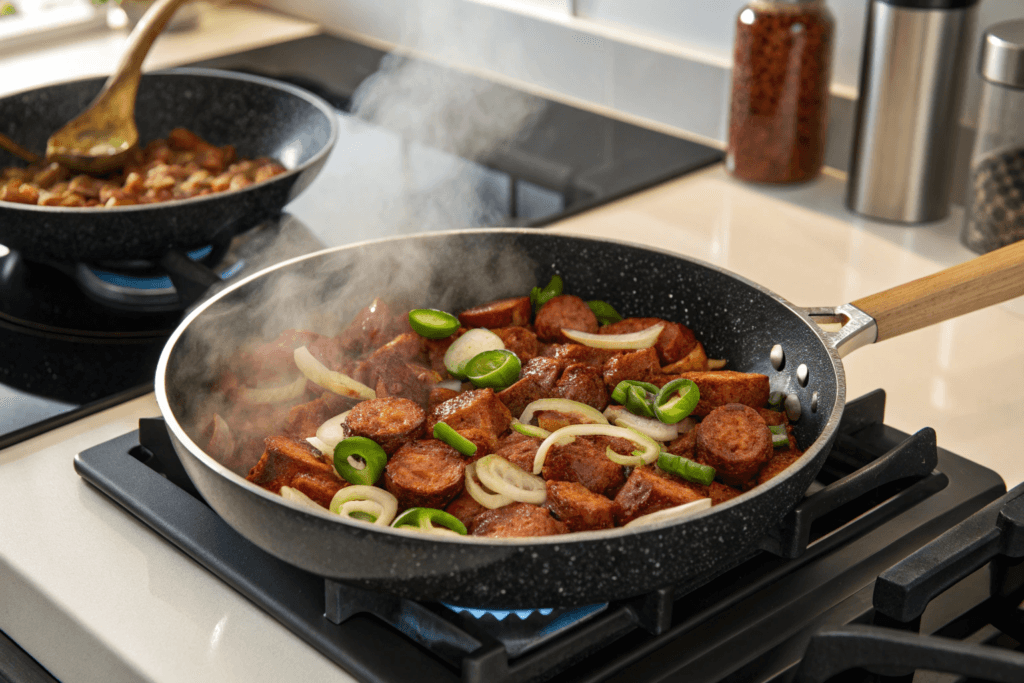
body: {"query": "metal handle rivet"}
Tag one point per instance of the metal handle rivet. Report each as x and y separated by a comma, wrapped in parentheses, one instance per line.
(814, 402)
(802, 374)
(777, 356)
(792, 406)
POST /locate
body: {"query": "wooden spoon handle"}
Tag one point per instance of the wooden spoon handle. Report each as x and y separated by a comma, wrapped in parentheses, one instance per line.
(129, 69)
(17, 150)
(989, 279)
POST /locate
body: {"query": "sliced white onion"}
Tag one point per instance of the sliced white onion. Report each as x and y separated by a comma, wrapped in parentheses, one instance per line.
(656, 429)
(453, 384)
(501, 476)
(319, 445)
(568, 434)
(467, 346)
(369, 507)
(530, 430)
(222, 442)
(297, 496)
(387, 502)
(678, 512)
(278, 394)
(716, 364)
(332, 432)
(563, 405)
(634, 340)
(491, 501)
(331, 380)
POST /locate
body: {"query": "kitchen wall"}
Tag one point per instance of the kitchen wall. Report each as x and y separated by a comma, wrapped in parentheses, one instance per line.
(666, 62)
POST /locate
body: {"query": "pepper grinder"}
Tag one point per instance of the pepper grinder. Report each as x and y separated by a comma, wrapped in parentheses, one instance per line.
(913, 70)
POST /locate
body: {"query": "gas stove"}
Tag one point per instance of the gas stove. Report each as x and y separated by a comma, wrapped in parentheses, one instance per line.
(881, 495)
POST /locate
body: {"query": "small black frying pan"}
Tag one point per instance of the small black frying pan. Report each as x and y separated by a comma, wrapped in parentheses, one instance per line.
(259, 116)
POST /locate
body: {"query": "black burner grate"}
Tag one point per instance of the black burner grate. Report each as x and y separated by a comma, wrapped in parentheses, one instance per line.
(882, 495)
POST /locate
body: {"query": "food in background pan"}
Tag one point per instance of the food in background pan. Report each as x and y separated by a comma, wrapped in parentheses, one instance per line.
(182, 166)
(531, 416)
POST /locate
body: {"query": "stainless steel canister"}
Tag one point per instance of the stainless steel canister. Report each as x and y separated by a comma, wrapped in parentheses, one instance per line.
(915, 62)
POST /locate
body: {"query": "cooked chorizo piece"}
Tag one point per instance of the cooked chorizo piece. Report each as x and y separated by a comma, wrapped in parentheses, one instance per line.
(567, 354)
(695, 361)
(721, 387)
(545, 370)
(270, 361)
(484, 441)
(465, 509)
(305, 418)
(674, 342)
(287, 462)
(777, 464)
(480, 408)
(439, 395)
(646, 491)
(585, 461)
(391, 422)
(553, 420)
(408, 346)
(722, 492)
(436, 349)
(519, 341)
(371, 328)
(520, 450)
(683, 445)
(390, 375)
(426, 473)
(564, 311)
(639, 365)
(522, 393)
(517, 520)
(501, 313)
(735, 441)
(578, 507)
(584, 384)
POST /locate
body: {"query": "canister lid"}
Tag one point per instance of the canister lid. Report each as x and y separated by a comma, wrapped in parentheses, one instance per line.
(1002, 54)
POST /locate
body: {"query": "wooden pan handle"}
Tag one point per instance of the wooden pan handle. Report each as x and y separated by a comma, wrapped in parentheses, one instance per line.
(989, 279)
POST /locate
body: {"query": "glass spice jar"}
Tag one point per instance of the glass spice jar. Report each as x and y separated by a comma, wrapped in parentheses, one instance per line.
(780, 90)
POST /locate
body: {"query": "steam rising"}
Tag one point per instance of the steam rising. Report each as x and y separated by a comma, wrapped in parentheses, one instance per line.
(436, 129)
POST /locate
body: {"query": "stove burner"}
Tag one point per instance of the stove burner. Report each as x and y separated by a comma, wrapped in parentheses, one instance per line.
(500, 615)
(151, 290)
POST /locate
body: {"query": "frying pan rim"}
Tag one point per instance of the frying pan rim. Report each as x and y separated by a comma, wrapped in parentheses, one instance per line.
(326, 109)
(195, 451)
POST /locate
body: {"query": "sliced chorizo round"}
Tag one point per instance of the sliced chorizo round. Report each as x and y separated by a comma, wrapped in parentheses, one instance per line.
(391, 422)
(735, 441)
(501, 313)
(426, 473)
(564, 311)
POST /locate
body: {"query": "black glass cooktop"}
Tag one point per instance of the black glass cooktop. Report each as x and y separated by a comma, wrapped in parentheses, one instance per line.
(421, 148)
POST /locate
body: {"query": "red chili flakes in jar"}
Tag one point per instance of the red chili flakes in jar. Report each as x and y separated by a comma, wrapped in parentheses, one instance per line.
(780, 90)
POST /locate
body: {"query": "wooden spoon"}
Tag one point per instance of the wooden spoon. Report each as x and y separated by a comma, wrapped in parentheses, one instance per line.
(99, 139)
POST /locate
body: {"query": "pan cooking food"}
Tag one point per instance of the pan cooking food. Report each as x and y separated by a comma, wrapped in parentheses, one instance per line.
(530, 416)
(181, 166)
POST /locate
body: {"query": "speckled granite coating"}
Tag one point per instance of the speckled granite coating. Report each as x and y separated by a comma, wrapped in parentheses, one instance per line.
(259, 116)
(735, 319)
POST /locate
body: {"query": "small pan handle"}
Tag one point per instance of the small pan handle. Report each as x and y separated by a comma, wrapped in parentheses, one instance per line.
(986, 280)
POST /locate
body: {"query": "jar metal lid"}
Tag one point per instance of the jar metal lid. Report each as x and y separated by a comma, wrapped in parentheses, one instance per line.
(1002, 54)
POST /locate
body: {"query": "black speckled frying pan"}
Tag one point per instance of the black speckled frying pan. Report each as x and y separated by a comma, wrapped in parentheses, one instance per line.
(261, 117)
(735, 319)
